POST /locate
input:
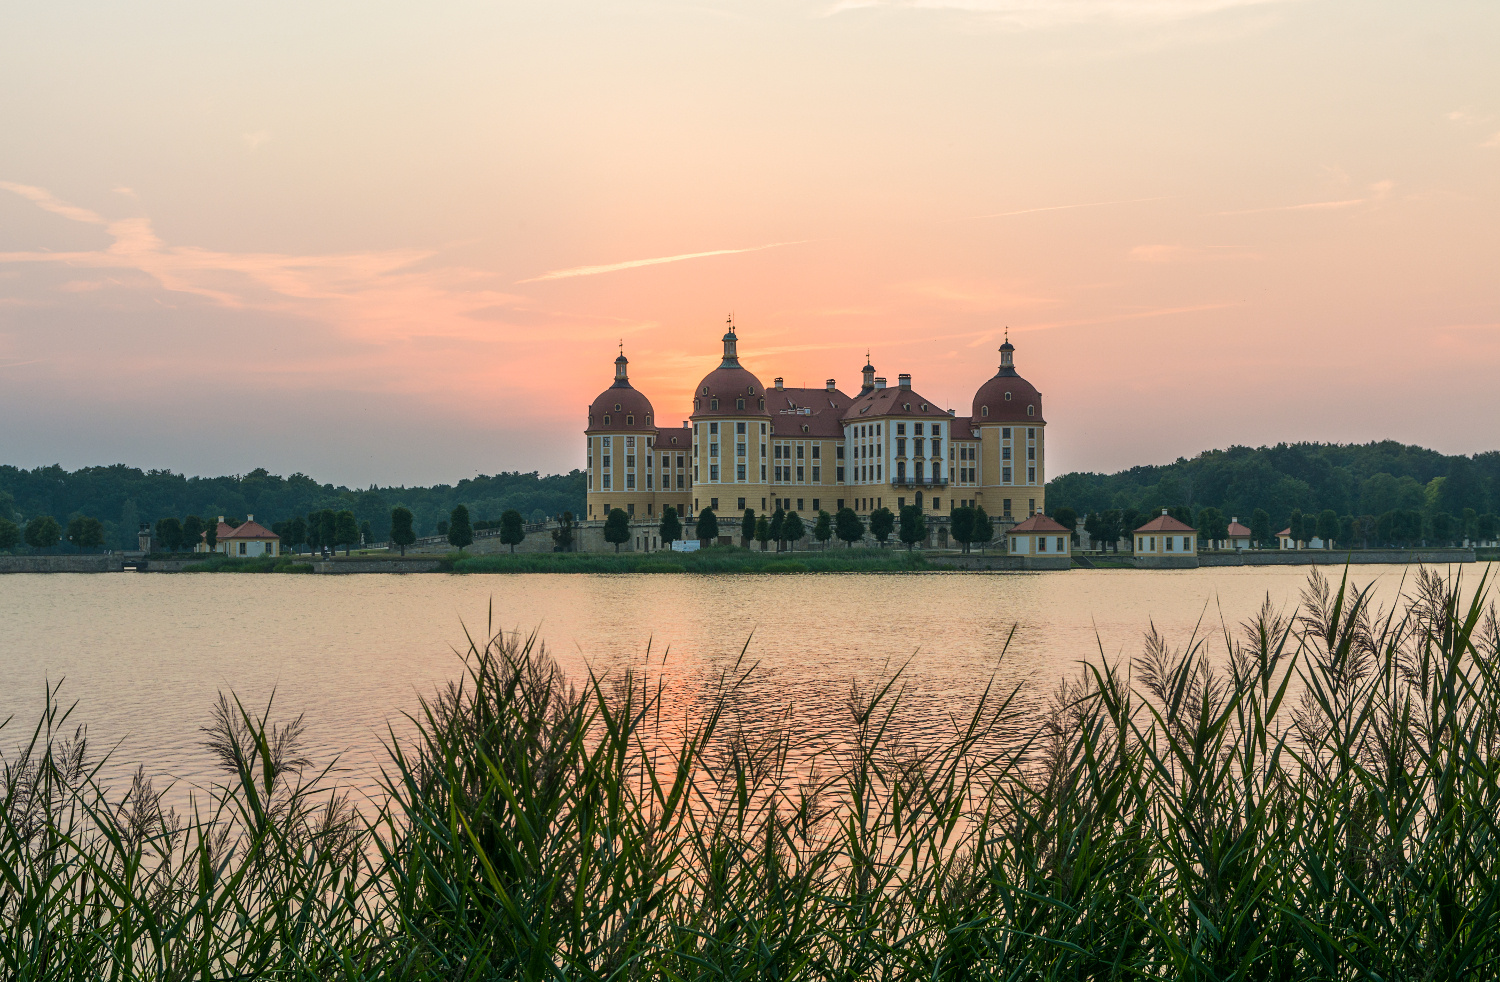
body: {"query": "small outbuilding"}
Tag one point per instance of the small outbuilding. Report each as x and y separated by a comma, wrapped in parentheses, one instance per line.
(1042, 543)
(1239, 536)
(1165, 541)
(248, 539)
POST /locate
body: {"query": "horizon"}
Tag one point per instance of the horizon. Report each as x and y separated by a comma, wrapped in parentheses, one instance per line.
(400, 247)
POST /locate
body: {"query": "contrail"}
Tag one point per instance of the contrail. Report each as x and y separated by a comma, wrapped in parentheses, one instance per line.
(1087, 204)
(562, 274)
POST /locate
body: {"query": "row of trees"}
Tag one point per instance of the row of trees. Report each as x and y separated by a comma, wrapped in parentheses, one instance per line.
(44, 533)
(1397, 527)
(785, 528)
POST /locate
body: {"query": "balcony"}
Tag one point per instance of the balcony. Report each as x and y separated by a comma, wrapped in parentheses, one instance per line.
(919, 482)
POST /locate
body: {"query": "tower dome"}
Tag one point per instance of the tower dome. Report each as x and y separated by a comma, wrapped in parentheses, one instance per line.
(621, 406)
(730, 389)
(1007, 397)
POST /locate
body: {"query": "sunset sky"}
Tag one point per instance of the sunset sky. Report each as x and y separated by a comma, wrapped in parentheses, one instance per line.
(399, 243)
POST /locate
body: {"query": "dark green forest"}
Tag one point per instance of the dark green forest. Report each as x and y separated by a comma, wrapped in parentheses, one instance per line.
(122, 497)
(1371, 479)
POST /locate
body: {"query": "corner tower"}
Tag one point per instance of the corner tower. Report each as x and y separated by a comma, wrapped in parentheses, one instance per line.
(619, 435)
(1007, 415)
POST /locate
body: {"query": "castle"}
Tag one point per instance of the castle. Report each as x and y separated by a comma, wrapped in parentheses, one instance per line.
(806, 450)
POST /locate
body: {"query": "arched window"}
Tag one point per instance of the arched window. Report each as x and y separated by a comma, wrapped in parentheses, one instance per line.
(984, 410)
(1030, 410)
(1007, 397)
(713, 404)
(606, 419)
(648, 419)
(739, 404)
(629, 420)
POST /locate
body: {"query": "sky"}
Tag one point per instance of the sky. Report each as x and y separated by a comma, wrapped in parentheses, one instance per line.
(402, 243)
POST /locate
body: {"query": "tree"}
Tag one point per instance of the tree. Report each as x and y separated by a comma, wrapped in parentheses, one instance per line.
(314, 532)
(86, 533)
(10, 534)
(617, 527)
(1328, 526)
(168, 533)
(1442, 528)
(366, 534)
(346, 529)
(512, 529)
(1364, 529)
(762, 531)
(562, 536)
(211, 535)
(1093, 524)
(1260, 527)
(1294, 528)
(402, 533)
(793, 529)
(192, 531)
(848, 526)
(707, 526)
(1385, 528)
(823, 530)
(747, 527)
(1068, 519)
(984, 529)
(460, 532)
(328, 529)
(778, 521)
(883, 523)
(1348, 527)
(671, 526)
(961, 525)
(442, 526)
(913, 526)
(296, 533)
(1488, 526)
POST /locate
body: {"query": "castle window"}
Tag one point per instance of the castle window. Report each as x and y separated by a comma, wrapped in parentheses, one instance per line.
(817, 450)
(629, 420)
(984, 410)
(713, 427)
(617, 407)
(713, 404)
(1005, 433)
(739, 404)
(606, 419)
(751, 390)
(900, 429)
(1030, 410)
(804, 430)
(739, 427)
(924, 407)
(1007, 397)
(705, 390)
(648, 419)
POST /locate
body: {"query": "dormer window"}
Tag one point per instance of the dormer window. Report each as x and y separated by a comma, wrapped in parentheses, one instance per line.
(629, 420)
(1030, 410)
(1007, 397)
(648, 419)
(705, 390)
(739, 404)
(713, 404)
(906, 407)
(751, 390)
(804, 430)
(924, 407)
(606, 419)
(984, 410)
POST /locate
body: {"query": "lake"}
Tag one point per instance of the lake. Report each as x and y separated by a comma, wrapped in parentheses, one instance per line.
(145, 655)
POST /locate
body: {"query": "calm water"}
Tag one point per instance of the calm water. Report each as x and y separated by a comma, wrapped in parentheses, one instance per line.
(145, 655)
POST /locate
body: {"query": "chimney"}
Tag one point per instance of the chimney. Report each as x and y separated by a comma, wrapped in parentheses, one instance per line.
(249, 518)
(831, 385)
(1163, 511)
(880, 383)
(778, 384)
(904, 380)
(953, 412)
(221, 519)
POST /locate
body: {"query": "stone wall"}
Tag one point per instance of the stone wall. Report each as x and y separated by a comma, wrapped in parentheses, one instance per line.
(1333, 557)
(62, 564)
(353, 565)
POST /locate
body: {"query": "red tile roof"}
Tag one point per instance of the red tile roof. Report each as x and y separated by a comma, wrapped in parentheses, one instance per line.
(820, 410)
(249, 530)
(1238, 531)
(1039, 523)
(892, 401)
(961, 428)
(673, 438)
(1165, 523)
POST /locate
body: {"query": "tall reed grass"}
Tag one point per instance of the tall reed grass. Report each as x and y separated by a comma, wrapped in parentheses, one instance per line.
(1317, 801)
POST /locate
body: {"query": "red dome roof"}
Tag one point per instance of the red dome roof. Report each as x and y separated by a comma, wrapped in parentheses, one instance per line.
(736, 390)
(1007, 398)
(621, 406)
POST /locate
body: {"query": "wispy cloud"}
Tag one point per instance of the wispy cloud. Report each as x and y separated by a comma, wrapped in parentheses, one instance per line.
(563, 274)
(1162, 253)
(1379, 191)
(1493, 141)
(1053, 13)
(1086, 204)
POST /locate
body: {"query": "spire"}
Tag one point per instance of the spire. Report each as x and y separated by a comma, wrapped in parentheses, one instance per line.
(622, 377)
(731, 354)
(1007, 359)
(869, 374)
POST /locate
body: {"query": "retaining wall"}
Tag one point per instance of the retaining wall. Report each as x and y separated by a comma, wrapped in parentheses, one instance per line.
(376, 566)
(1332, 557)
(62, 564)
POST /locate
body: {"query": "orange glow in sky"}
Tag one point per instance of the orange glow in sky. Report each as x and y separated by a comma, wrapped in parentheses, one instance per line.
(398, 243)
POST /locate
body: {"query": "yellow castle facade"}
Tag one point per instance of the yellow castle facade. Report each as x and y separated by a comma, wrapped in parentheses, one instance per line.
(746, 445)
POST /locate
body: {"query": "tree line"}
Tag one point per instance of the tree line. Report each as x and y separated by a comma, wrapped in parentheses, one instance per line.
(121, 498)
(784, 527)
(1384, 480)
